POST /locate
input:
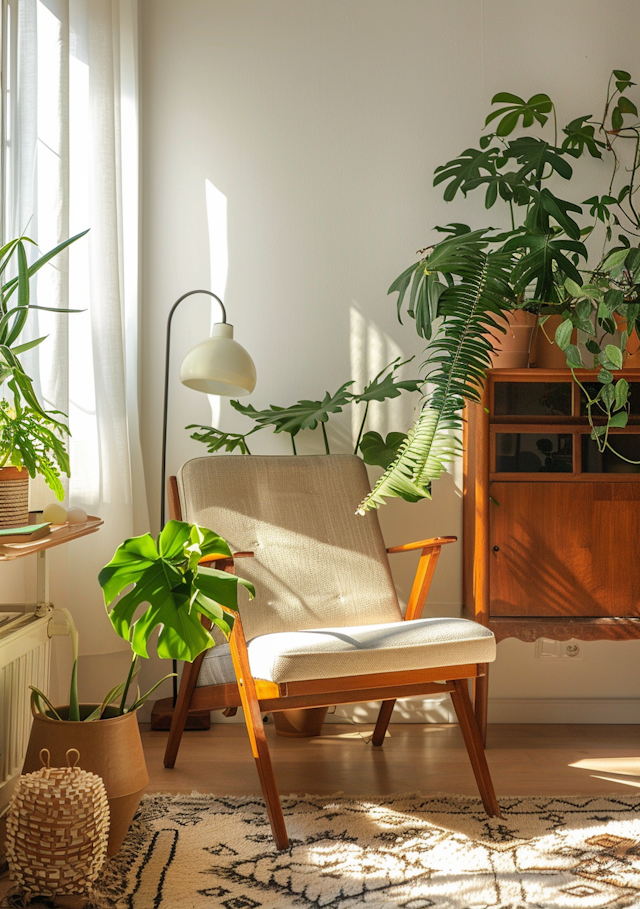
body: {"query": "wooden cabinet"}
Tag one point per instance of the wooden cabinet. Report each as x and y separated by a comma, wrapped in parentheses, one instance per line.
(551, 526)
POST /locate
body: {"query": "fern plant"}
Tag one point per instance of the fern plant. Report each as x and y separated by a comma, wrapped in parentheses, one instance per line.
(471, 279)
(473, 296)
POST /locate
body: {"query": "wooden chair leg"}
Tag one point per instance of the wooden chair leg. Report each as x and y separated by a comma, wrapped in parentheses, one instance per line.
(382, 722)
(475, 749)
(190, 674)
(255, 728)
(481, 699)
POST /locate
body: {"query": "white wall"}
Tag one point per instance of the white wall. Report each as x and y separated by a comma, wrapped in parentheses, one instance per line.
(318, 126)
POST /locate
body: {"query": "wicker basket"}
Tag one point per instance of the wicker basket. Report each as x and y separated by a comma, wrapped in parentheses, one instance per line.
(57, 829)
(14, 497)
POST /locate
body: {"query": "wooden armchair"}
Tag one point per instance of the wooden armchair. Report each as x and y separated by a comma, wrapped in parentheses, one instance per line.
(325, 626)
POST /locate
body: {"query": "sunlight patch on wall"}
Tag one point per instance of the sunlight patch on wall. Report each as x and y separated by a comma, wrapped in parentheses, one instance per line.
(218, 261)
(371, 349)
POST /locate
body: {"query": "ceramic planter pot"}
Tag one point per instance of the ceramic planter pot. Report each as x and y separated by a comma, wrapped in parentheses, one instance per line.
(14, 497)
(511, 351)
(632, 350)
(300, 723)
(111, 748)
(545, 352)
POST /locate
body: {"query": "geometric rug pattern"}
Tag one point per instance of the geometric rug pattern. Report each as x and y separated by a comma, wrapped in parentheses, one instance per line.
(410, 851)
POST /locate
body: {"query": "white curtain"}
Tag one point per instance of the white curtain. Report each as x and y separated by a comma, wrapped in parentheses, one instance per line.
(72, 164)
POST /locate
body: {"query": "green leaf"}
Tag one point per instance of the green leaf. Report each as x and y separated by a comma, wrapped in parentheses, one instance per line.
(132, 558)
(535, 108)
(464, 169)
(614, 354)
(621, 393)
(626, 106)
(573, 356)
(216, 439)
(379, 451)
(619, 420)
(563, 334)
(302, 415)
(574, 289)
(604, 376)
(173, 538)
(616, 119)
(534, 155)
(380, 389)
(581, 136)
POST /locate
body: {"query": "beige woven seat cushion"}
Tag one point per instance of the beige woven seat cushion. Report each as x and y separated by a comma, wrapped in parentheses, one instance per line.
(361, 650)
(316, 563)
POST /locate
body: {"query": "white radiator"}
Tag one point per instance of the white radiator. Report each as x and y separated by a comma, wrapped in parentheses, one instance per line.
(25, 652)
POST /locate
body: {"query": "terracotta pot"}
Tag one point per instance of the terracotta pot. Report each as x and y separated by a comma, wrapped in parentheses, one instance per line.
(14, 497)
(632, 350)
(300, 723)
(111, 748)
(545, 353)
(511, 351)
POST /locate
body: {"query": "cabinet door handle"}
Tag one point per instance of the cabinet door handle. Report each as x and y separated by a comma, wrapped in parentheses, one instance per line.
(496, 549)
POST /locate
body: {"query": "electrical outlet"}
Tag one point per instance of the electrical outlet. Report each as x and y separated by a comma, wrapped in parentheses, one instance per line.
(547, 649)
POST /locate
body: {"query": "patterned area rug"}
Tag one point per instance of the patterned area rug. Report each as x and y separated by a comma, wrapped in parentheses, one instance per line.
(414, 852)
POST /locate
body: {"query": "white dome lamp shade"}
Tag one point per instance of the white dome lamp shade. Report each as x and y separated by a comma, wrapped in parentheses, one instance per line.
(219, 365)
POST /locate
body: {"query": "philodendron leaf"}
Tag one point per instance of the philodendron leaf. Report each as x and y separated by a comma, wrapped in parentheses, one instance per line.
(216, 439)
(614, 354)
(379, 389)
(301, 415)
(536, 108)
(379, 451)
(563, 334)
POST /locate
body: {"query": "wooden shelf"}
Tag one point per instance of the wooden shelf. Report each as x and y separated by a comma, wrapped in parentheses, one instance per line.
(60, 533)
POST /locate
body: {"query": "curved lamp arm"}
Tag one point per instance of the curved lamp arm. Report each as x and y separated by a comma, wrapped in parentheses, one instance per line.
(166, 389)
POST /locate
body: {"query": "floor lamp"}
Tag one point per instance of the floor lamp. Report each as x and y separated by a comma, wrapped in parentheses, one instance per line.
(217, 366)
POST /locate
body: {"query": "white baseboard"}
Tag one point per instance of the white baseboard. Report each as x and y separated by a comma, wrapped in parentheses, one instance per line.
(564, 710)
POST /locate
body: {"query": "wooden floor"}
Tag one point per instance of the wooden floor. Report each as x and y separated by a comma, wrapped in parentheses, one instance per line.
(524, 760)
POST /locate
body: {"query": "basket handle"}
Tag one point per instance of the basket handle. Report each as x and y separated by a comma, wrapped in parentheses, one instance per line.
(72, 755)
(45, 758)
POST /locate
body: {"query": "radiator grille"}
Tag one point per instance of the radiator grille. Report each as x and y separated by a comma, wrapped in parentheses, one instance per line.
(24, 661)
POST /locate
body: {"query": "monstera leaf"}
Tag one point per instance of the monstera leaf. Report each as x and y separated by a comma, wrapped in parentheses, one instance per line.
(167, 578)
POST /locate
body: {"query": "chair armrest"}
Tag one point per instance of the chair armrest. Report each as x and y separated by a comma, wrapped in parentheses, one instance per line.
(424, 572)
(221, 558)
(422, 544)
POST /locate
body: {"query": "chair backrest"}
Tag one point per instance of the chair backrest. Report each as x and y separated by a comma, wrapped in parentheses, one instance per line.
(317, 564)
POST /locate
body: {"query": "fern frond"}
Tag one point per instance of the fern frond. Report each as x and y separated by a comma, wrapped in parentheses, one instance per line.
(472, 309)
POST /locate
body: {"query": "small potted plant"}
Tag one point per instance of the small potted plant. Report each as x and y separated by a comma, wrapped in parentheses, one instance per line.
(30, 437)
(176, 590)
(31, 443)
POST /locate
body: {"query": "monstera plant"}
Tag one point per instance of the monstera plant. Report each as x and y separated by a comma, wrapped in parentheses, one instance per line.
(176, 590)
(461, 288)
(169, 592)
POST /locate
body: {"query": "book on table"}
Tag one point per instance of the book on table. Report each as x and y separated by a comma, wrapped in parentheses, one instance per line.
(27, 534)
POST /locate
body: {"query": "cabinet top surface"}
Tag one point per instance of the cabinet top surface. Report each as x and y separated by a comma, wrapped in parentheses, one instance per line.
(558, 375)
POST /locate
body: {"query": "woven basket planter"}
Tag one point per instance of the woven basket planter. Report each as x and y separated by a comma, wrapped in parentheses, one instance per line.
(57, 829)
(14, 497)
(110, 747)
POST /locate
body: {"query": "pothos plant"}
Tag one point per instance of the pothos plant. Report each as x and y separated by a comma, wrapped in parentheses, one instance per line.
(460, 290)
(308, 415)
